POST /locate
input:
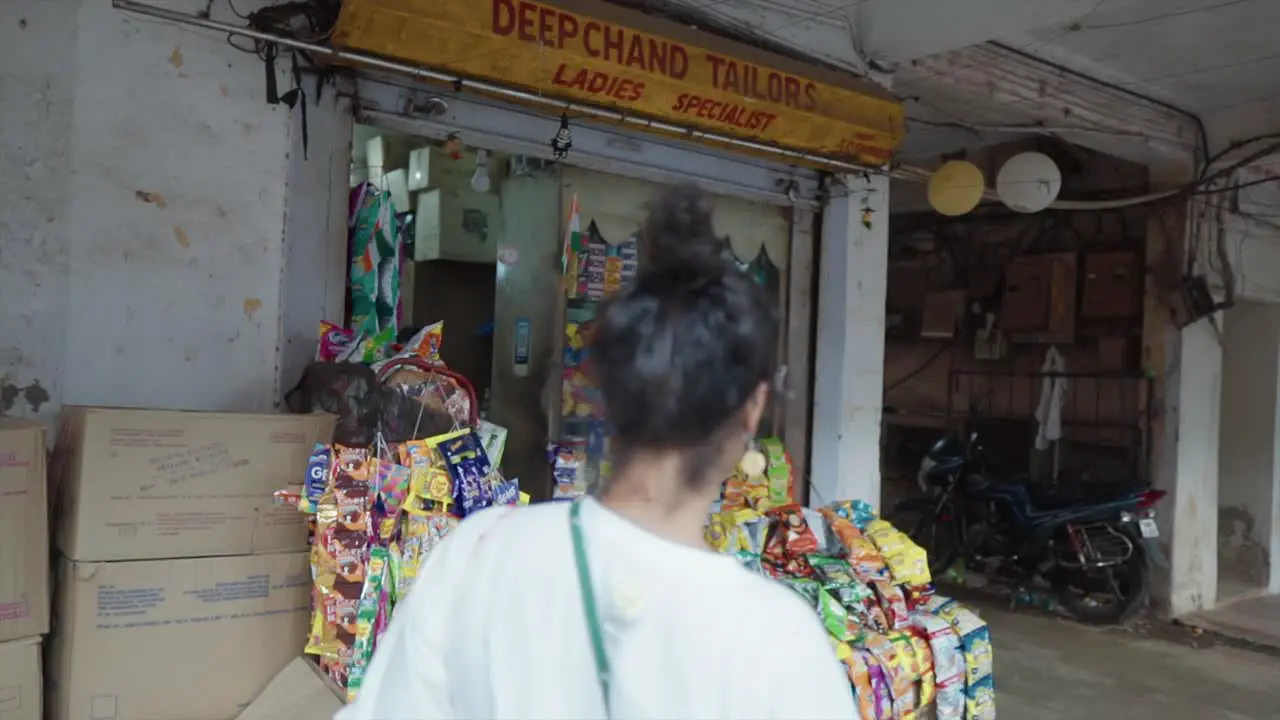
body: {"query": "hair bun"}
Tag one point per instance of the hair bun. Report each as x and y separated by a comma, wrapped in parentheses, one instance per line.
(679, 236)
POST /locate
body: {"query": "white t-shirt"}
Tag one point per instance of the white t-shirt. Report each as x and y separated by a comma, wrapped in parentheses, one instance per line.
(494, 628)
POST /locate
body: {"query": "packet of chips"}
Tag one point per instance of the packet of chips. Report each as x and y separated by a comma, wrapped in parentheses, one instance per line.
(859, 677)
(425, 343)
(948, 664)
(861, 553)
(835, 617)
(807, 588)
(879, 686)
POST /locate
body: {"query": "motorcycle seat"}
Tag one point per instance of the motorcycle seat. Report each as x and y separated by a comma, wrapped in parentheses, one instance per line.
(1042, 498)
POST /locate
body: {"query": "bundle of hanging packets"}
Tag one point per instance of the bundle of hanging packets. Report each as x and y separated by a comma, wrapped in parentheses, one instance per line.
(376, 515)
(903, 646)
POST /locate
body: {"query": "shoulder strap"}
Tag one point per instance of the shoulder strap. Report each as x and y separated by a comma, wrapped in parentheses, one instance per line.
(589, 607)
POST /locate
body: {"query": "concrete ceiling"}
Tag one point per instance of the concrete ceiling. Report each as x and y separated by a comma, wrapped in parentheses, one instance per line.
(1216, 59)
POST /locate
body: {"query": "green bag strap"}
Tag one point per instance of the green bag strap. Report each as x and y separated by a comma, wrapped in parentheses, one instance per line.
(589, 607)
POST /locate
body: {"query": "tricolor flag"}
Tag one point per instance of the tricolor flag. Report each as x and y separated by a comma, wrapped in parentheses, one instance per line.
(572, 245)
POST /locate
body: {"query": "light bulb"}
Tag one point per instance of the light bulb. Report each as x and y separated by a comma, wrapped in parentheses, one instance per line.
(480, 178)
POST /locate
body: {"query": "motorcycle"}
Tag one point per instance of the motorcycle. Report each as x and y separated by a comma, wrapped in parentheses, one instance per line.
(1091, 545)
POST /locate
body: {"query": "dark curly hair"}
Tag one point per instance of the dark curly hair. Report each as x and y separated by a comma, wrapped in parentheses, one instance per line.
(680, 351)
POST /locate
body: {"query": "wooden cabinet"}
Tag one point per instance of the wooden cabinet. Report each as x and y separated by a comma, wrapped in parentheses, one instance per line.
(1040, 299)
(1112, 286)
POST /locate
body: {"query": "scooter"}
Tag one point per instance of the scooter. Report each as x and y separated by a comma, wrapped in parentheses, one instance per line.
(1091, 545)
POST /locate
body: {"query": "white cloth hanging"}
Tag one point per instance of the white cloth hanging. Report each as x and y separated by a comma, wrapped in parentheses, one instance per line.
(1052, 389)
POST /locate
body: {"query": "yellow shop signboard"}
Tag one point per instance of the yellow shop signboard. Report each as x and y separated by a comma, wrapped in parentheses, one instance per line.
(596, 55)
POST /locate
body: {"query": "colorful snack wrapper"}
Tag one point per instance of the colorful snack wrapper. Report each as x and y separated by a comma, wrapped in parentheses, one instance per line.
(507, 493)
(948, 664)
(749, 560)
(425, 343)
(807, 588)
(335, 342)
(319, 473)
(893, 602)
(980, 700)
(861, 553)
(366, 620)
(469, 467)
(391, 492)
(879, 686)
(898, 671)
(860, 677)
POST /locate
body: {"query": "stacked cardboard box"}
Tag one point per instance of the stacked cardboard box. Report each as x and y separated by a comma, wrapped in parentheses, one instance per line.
(181, 588)
(24, 567)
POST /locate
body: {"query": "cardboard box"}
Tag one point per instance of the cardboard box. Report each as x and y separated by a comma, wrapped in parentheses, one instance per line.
(150, 484)
(196, 639)
(302, 691)
(24, 532)
(21, 697)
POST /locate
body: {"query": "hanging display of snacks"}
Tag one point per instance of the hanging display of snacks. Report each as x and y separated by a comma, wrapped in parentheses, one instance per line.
(378, 513)
(903, 647)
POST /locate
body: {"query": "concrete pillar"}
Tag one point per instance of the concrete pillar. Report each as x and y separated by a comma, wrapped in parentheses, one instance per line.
(1249, 469)
(1193, 505)
(848, 382)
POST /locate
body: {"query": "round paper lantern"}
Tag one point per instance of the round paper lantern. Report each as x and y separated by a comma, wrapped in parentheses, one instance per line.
(956, 188)
(1029, 182)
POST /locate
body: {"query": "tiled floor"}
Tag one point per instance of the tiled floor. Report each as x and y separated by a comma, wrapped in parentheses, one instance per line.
(1048, 668)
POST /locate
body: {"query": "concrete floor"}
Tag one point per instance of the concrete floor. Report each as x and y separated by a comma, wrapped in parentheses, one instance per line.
(1255, 619)
(1049, 668)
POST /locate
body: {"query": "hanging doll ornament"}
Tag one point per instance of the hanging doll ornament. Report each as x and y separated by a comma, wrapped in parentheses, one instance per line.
(453, 146)
(563, 140)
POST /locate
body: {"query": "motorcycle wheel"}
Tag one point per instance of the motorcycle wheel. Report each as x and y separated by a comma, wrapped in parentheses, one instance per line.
(917, 518)
(1129, 588)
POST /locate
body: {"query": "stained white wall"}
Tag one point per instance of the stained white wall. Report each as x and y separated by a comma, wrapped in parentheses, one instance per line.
(143, 214)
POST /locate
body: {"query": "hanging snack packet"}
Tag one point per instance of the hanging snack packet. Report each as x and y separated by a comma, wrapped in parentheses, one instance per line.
(507, 493)
(494, 439)
(749, 560)
(426, 343)
(351, 476)
(807, 588)
(861, 553)
(366, 621)
(335, 341)
(319, 472)
(392, 489)
(468, 465)
(924, 656)
(860, 677)
(833, 573)
(879, 686)
(893, 602)
(778, 476)
(716, 532)
(948, 664)
(836, 618)
(898, 671)
(798, 537)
